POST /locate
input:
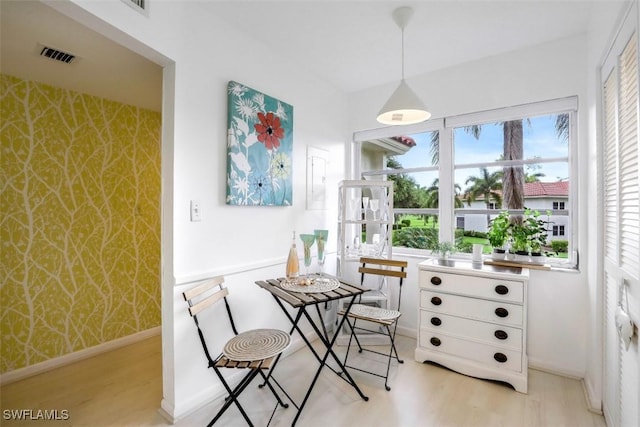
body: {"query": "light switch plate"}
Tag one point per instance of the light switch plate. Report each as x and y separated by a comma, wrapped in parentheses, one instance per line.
(196, 213)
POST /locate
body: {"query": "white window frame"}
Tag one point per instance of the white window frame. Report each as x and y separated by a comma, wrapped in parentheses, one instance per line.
(446, 167)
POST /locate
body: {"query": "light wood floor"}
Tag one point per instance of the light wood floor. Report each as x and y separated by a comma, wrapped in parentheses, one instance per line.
(124, 388)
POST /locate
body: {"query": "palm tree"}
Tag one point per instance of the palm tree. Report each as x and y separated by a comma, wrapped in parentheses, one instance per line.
(433, 197)
(530, 175)
(405, 188)
(513, 176)
(562, 127)
(487, 185)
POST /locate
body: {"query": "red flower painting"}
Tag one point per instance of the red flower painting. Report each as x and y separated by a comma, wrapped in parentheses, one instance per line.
(269, 130)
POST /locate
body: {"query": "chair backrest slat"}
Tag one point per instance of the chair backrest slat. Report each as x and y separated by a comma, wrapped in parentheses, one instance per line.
(203, 287)
(375, 267)
(383, 272)
(383, 261)
(208, 300)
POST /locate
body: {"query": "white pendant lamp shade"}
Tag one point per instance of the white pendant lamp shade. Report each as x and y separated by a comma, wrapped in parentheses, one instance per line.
(404, 107)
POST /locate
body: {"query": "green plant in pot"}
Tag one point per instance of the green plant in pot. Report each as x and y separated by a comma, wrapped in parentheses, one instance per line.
(537, 233)
(498, 234)
(443, 249)
(520, 244)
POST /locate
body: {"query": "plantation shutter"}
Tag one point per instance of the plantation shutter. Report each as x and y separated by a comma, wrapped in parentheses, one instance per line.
(621, 203)
(629, 205)
(611, 168)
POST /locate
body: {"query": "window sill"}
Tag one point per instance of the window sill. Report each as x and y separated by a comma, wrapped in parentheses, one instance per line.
(426, 254)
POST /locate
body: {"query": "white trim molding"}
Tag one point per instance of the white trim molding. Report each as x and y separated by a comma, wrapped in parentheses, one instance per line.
(76, 356)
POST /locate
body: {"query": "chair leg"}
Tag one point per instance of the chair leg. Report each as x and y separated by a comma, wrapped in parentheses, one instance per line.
(268, 383)
(351, 336)
(233, 395)
(393, 342)
(392, 349)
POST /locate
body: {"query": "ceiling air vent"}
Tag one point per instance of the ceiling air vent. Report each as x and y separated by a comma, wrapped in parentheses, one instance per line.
(57, 55)
(139, 5)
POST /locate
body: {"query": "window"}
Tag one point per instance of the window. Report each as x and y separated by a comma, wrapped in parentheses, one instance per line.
(452, 175)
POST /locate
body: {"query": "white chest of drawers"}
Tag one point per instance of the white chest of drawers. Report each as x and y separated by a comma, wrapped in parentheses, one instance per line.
(473, 319)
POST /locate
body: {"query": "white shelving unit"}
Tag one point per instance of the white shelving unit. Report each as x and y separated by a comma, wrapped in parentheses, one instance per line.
(363, 231)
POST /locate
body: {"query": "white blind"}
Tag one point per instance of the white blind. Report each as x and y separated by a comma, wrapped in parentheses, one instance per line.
(610, 168)
(629, 189)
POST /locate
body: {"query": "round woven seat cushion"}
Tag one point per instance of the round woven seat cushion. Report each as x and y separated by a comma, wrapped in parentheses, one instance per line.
(256, 344)
(378, 313)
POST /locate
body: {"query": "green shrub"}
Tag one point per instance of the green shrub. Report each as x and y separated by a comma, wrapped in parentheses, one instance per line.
(464, 246)
(413, 237)
(558, 246)
(472, 233)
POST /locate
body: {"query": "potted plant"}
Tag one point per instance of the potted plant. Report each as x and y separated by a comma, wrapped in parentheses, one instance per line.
(520, 244)
(538, 234)
(444, 249)
(498, 233)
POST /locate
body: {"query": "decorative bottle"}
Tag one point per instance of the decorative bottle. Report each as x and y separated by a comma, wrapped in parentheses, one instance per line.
(293, 267)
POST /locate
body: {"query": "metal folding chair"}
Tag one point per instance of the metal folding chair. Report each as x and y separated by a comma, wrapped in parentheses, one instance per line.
(385, 320)
(255, 350)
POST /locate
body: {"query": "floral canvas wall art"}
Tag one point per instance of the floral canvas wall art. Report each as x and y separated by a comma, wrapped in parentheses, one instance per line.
(259, 148)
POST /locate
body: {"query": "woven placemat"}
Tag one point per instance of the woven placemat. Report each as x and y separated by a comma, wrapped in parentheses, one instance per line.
(316, 285)
(256, 344)
(373, 312)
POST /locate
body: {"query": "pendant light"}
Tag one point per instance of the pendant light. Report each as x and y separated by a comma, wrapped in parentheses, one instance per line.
(404, 107)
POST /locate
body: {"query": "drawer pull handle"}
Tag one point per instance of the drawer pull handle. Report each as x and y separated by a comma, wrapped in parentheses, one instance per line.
(502, 290)
(500, 357)
(435, 280)
(436, 301)
(501, 335)
(435, 321)
(435, 341)
(502, 312)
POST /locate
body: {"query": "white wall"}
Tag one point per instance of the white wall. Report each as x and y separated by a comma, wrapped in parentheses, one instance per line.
(558, 301)
(244, 243)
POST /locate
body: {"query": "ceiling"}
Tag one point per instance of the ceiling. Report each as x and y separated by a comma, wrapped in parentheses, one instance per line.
(354, 45)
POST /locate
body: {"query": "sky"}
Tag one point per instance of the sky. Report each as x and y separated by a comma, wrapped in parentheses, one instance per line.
(540, 140)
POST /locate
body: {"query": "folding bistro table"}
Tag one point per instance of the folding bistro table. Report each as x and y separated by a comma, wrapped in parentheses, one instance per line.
(322, 289)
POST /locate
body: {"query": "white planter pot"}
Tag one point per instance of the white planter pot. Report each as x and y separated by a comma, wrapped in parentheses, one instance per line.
(538, 259)
(498, 256)
(521, 258)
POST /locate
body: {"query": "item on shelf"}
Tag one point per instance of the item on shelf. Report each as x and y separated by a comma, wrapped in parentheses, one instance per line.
(321, 240)
(365, 204)
(307, 242)
(293, 266)
(374, 204)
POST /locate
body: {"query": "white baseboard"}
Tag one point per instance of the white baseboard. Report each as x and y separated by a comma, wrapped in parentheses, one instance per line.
(593, 404)
(67, 359)
(540, 365)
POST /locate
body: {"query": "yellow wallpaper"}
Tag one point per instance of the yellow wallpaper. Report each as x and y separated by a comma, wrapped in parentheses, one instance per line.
(80, 221)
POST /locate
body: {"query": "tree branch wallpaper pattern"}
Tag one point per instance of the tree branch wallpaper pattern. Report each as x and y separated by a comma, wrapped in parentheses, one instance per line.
(259, 148)
(80, 224)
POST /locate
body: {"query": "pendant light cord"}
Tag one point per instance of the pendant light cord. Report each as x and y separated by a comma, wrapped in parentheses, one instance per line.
(402, 43)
